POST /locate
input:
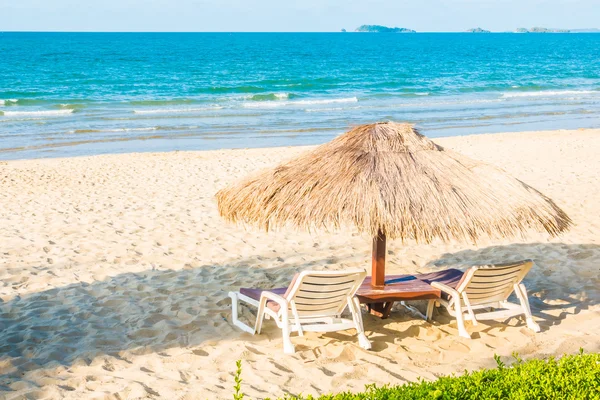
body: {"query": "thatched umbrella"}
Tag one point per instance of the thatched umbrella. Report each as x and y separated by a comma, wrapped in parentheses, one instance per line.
(391, 182)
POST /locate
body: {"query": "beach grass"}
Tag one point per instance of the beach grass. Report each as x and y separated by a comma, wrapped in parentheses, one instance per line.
(569, 377)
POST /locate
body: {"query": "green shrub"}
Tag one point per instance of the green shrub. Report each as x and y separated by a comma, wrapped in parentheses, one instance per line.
(569, 377)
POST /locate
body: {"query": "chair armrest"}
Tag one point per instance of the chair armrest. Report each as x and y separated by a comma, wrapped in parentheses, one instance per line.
(264, 296)
(445, 288)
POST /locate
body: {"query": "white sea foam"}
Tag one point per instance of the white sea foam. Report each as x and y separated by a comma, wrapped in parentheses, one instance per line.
(282, 95)
(327, 109)
(328, 101)
(445, 103)
(545, 93)
(274, 104)
(43, 113)
(175, 110)
(265, 104)
(69, 106)
(324, 109)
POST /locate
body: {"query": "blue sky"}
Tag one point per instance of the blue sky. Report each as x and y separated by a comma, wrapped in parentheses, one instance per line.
(300, 15)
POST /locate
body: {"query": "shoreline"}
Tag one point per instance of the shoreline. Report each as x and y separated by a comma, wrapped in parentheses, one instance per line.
(435, 139)
(115, 273)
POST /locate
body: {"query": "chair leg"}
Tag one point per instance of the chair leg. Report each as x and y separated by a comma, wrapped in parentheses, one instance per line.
(260, 315)
(429, 313)
(296, 318)
(235, 303)
(288, 347)
(469, 309)
(521, 292)
(354, 306)
(460, 320)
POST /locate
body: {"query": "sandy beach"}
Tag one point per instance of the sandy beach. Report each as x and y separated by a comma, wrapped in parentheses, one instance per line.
(115, 270)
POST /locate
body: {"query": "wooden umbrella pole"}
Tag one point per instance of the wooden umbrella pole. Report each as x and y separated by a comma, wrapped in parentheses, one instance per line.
(378, 262)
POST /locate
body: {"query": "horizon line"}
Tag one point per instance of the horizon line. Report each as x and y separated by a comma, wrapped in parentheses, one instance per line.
(338, 31)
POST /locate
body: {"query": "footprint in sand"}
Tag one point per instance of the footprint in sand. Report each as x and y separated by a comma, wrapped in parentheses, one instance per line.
(252, 350)
(327, 372)
(200, 352)
(416, 348)
(494, 342)
(455, 346)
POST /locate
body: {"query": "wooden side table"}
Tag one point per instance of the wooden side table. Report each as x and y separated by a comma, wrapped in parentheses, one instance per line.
(380, 301)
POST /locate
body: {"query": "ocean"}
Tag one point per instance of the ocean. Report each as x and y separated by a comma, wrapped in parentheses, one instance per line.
(71, 94)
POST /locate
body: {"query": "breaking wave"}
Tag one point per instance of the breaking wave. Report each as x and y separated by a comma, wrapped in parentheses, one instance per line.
(44, 113)
(8, 101)
(270, 97)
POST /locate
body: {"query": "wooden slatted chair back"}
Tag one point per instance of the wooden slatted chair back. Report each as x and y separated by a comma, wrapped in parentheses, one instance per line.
(492, 283)
(323, 293)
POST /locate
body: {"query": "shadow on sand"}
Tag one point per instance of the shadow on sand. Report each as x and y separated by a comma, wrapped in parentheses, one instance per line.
(159, 309)
(141, 312)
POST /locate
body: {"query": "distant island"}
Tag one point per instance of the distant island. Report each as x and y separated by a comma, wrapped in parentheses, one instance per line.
(535, 29)
(382, 29)
(586, 30)
(477, 30)
(538, 29)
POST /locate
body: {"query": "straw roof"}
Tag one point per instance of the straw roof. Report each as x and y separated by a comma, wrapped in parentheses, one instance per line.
(387, 177)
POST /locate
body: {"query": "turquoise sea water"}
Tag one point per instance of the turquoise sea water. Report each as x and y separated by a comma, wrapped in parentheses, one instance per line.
(64, 94)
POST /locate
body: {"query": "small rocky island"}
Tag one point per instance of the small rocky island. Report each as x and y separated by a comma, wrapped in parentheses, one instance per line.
(586, 30)
(382, 29)
(538, 29)
(477, 30)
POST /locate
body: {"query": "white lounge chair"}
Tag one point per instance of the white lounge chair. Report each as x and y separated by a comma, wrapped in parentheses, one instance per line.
(314, 301)
(486, 287)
